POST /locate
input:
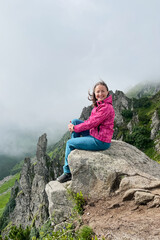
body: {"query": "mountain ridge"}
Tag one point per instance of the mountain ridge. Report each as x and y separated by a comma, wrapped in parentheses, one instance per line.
(144, 89)
(134, 122)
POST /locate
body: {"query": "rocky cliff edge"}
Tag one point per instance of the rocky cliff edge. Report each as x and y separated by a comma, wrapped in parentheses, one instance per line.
(121, 179)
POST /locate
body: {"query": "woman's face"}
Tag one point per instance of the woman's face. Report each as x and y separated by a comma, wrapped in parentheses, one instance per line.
(100, 92)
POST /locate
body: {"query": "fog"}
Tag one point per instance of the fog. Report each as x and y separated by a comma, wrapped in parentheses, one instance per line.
(52, 52)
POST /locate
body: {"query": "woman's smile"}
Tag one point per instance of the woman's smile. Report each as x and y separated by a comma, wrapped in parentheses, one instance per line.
(101, 92)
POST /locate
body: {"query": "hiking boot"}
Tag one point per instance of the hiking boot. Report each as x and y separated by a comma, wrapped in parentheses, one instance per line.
(64, 177)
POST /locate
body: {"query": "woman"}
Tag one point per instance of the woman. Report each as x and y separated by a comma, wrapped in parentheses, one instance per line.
(96, 132)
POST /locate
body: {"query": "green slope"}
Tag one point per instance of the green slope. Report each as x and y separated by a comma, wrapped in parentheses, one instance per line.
(6, 165)
(144, 89)
(140, 135)
(5, 191)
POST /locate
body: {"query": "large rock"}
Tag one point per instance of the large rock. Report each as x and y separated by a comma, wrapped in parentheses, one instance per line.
(122, 166)
(60, 207)
(121, 169)
(120, 103)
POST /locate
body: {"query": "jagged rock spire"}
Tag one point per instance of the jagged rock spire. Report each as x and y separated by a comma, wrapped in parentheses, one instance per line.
(31, 201)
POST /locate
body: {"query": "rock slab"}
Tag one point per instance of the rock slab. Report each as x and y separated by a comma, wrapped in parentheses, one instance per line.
(60, 207)
(121, 167)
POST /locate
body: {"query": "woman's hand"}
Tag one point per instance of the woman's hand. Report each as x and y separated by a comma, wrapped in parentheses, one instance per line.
(70, 127)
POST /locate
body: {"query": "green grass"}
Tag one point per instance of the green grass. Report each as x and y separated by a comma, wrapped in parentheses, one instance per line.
(10, 183)
(5, 191)
(4, 198)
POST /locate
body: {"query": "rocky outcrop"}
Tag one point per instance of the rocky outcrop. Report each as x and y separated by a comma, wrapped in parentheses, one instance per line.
(155, 125)
(86, 112)
(145, 89)
(149, 89)
(31, 201)
(122, 169)
(132, 123)
(120, 103)
(60, 207)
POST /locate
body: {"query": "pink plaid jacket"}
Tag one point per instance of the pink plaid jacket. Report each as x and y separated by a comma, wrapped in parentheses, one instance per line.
(101, 121)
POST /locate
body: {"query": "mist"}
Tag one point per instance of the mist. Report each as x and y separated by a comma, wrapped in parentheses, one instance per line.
(53, 52)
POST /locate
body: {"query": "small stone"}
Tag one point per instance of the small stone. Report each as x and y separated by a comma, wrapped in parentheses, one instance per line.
(143, 198)
(115, 205)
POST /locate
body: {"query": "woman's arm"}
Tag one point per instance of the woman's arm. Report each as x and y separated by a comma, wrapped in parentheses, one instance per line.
(95, 119)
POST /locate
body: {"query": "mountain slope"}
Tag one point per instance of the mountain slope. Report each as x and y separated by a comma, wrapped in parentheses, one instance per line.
(145, 89)
(6, 164)
(134, 123)
(5, 191)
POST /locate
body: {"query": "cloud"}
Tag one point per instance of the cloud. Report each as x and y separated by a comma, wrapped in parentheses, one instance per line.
(52, 53)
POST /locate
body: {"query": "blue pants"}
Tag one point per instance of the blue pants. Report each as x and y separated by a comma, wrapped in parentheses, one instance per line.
(86, 142)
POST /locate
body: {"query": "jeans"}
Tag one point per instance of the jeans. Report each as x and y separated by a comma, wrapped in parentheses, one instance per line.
(86, 142)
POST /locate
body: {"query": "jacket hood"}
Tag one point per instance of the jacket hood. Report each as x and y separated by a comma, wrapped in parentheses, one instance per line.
(106, 100)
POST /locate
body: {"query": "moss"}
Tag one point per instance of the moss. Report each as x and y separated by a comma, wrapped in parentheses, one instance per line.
(20, 193)
(35, 163)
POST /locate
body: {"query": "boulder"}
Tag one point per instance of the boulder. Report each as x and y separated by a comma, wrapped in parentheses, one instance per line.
(121, 169)
(60, 207)
(143, 197)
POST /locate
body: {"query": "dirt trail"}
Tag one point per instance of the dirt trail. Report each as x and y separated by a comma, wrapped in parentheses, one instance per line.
(117, 220)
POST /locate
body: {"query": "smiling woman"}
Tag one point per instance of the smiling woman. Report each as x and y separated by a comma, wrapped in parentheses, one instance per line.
(49, 47)
(101, 92)
(96, 132)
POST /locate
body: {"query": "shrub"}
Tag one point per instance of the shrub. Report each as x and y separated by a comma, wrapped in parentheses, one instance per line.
(142, 102)
(140, 137)
(19, 233)
(143, 118)
(85, 233)
(78, 200)
(127, 114)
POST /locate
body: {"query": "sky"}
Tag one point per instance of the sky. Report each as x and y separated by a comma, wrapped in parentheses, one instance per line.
(53, 51)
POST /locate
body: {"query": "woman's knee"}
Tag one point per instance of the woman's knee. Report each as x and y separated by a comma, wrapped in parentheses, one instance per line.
(76, 121)
(70, 145)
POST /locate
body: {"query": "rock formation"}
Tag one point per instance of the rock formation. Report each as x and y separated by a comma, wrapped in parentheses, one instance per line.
(60, 207)
(121, 170)
(155, 125)
(132, 123)
(31, 201)
(86, 112)
(149, 89)
(119, 167)
(120, 102)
